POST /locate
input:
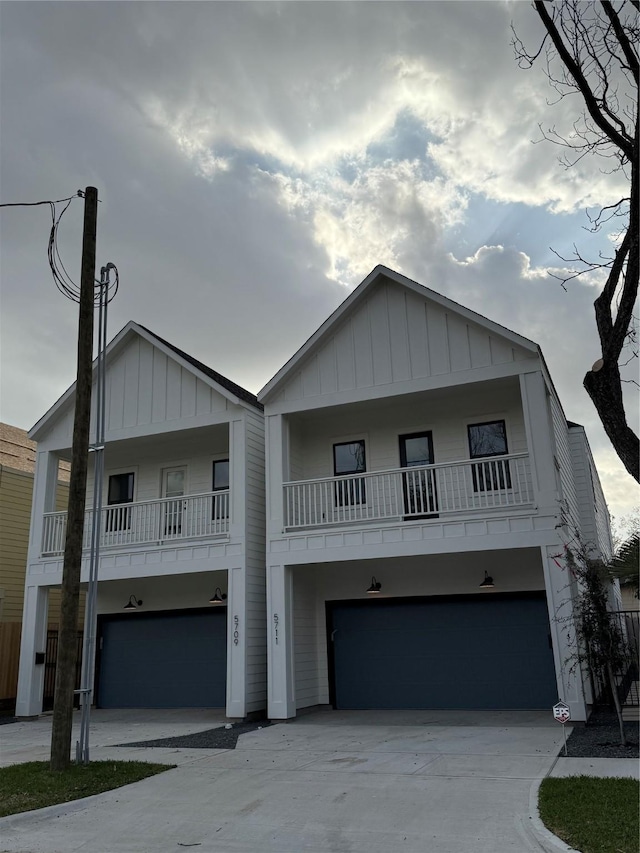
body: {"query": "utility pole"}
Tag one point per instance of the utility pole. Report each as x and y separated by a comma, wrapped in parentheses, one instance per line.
(67, 633)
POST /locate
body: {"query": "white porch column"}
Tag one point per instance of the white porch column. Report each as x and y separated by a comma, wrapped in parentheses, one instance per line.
(45, 484)
(280, 662)
(236, 643)
(559, 585)
(33, 641)
(277, 468)
(539, 430)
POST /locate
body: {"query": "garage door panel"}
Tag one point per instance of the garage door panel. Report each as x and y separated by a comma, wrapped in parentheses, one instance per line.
(468, 653)
(164, 660)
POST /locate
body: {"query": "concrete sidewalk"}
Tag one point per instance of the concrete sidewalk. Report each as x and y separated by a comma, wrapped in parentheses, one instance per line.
(361, 782)
(31, 740)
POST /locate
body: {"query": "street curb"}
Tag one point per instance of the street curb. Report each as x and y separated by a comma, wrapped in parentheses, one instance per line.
(14, 821)
(545, 838)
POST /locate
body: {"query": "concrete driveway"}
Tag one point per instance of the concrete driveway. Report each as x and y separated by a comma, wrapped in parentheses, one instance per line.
(356, 782)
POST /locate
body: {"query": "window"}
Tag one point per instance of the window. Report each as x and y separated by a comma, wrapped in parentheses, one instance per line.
(419, 487)
(120, 491)
(489, 439)
(220, 504)
(349, 458)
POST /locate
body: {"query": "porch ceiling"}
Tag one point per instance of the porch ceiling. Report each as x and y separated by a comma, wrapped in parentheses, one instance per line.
(163, 592)
(451, 397)
(511, 569)
(187, 442)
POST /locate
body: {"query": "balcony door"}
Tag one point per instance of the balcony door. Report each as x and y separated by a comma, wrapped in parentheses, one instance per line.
(418, 486)
(173, 488)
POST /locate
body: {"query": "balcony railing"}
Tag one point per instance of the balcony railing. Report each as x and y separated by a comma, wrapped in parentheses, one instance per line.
(426, 491)
(146, 522)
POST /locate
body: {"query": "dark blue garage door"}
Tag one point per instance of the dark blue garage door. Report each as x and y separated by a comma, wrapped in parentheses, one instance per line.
(489, 653)
(163, 660)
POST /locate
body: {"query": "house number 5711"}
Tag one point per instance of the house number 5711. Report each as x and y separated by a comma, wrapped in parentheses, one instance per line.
(236, 630)
(276, 622)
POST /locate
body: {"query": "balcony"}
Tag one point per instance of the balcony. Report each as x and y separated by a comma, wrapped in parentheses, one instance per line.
(159, 522)
(424, 492)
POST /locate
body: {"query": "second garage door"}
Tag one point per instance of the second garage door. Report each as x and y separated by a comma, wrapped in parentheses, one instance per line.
(466, 652)
(163, 660)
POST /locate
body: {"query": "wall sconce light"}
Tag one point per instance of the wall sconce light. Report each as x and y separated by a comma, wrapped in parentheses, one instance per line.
(376, 586)
(487, 583)
(219, 597)
(133, 603)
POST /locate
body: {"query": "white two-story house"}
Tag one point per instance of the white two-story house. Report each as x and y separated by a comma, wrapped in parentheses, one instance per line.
(420, 489)
(181, 586)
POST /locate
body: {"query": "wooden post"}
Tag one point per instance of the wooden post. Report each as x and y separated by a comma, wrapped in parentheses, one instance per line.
(68, 626)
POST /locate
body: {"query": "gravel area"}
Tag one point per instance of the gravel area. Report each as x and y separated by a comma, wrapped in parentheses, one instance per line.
(219, 738)
(600, 738)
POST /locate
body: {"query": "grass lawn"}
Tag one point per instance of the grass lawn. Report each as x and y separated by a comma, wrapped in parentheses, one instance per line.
(32, 785)
(593, 815)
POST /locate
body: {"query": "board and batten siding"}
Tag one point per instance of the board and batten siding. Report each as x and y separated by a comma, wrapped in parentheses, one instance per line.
(396, 335)
(255, 585)
(145, 387)
(445, 416)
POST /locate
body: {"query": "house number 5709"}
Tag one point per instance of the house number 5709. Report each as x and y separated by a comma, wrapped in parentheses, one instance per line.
(236, 630)
(276, 622)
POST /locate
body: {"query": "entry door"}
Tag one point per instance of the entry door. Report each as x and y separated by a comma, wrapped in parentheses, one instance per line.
(173, 486)
(419, 487)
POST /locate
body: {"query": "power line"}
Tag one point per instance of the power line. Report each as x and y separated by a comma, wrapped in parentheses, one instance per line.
(79, 194)
(61, 277)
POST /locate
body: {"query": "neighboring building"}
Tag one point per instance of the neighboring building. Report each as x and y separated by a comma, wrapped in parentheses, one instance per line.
(420, 490)
(17, 461)
(181, 598)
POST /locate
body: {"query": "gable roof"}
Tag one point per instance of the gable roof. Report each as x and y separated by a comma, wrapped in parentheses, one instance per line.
(234, 393)
(360, 293)
(237, 390)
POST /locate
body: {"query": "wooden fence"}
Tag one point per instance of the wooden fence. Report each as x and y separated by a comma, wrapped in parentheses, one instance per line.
(9, 660)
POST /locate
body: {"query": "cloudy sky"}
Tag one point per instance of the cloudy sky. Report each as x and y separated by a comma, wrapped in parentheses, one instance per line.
(256, 160)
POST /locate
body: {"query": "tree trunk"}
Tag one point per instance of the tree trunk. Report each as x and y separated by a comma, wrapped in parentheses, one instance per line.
(603, 386)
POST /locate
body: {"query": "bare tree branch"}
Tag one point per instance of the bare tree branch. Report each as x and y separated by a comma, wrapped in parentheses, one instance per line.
(574, 68)
(595, 56)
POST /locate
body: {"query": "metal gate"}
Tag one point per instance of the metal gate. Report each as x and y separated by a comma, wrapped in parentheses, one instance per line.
(50, 663)
(628, 624)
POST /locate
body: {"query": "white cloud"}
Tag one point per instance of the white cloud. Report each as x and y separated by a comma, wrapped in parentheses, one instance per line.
(374, 218)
